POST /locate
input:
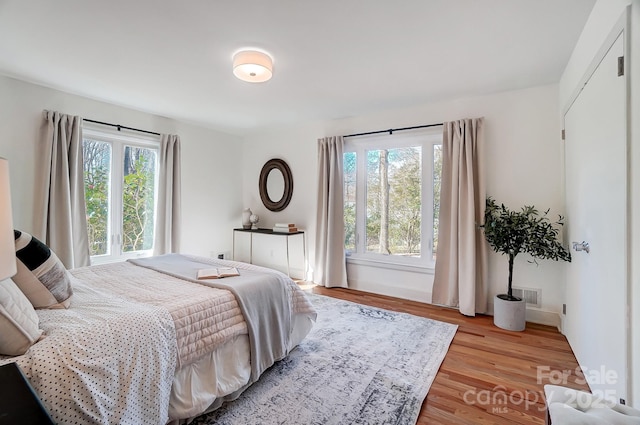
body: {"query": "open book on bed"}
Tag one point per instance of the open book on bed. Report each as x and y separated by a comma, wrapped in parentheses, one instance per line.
(217, 272)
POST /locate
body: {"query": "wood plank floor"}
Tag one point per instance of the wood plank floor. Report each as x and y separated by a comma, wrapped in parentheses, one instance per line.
(489, 376)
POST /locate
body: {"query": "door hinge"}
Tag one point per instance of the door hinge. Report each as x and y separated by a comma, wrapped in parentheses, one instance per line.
(563, 134)
(620, 66)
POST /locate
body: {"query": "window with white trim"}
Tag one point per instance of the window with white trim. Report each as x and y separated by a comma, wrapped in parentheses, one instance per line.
(120, 176)
(392, 198)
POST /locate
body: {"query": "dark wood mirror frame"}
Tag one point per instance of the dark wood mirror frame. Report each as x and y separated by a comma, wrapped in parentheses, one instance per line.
(277, 164)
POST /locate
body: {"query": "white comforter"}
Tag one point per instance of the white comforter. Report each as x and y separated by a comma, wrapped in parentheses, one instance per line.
(88, 368)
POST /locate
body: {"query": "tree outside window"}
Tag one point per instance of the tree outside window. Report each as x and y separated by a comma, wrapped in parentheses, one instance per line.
(390, 194)
(120, 187)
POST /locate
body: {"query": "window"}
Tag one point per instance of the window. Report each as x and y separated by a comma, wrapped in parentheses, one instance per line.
(392, 198)
(120, 176)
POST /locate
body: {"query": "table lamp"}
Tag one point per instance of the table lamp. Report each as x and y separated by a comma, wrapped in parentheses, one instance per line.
(7, 241)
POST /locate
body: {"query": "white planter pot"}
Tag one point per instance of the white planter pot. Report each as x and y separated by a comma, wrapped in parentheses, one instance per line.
(509, 315)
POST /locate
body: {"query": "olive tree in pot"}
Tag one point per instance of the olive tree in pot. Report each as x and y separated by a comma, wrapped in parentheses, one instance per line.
(511, 233)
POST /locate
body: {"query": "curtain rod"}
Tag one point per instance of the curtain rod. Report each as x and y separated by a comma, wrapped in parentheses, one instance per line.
(120, 127)
(391, 130)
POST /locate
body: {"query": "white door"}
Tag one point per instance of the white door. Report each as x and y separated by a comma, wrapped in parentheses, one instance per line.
(596, 199)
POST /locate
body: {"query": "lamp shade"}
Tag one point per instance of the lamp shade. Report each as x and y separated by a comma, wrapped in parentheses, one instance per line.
(252, 66)
(7, 244)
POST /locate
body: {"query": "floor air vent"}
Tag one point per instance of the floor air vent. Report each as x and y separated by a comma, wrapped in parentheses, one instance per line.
(531, 296)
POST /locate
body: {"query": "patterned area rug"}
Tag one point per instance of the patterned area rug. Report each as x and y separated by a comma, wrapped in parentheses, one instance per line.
(358, 365)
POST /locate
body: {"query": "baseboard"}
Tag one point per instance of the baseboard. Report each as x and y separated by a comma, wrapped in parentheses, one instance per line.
(534, 315)
(543, 317)
(391, 291)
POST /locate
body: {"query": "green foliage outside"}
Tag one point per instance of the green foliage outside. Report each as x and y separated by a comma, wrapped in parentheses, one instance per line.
(138, 202)
(97, 160)
(137, 197)
(437, 185)
(403, 198)
(349, 166)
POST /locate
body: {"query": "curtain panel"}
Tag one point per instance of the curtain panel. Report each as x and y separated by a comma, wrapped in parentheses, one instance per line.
(60, 217)
(461, 267)
(330, 263)
(168, 218)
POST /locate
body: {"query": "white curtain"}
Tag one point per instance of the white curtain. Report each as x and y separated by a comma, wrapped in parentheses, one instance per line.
(167, 229)
(461, 268)
(330, 266)
(60, 213)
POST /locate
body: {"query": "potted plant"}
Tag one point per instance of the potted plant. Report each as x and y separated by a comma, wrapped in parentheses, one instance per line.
(511, 233)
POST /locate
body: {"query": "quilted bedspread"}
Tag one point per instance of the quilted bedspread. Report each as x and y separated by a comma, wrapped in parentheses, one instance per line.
(204, 317)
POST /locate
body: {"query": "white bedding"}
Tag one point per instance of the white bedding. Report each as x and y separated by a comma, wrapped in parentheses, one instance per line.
(202, 386)
(105, 360)
(140, 347)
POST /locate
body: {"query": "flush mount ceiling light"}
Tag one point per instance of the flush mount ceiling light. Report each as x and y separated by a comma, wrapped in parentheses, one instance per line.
(252, 66)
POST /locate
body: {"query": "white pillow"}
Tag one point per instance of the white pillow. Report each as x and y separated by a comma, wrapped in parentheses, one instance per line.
(18, 320)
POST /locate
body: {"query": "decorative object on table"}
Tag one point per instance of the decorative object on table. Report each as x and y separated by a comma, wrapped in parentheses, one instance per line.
(246, 218)
(254, 219)
(285, 228)
(514, 232)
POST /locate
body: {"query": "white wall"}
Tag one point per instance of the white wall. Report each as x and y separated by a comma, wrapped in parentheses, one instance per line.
(524, 166)
(603, 17)
(211, 172)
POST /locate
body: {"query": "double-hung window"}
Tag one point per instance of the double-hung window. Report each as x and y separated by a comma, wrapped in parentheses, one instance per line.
(120, 176)
(392, 198)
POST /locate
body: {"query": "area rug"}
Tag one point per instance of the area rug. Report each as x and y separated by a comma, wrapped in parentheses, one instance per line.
(358, 365)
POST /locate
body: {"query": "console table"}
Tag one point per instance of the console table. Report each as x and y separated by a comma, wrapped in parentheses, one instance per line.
(281, 251)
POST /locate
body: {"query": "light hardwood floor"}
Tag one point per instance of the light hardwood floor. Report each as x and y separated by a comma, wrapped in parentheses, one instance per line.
(489, 376)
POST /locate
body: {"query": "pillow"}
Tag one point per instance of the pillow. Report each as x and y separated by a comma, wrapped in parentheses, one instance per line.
(41, 275)
(18, 320)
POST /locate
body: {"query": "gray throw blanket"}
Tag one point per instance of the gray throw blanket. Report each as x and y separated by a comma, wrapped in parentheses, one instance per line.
(263, 299)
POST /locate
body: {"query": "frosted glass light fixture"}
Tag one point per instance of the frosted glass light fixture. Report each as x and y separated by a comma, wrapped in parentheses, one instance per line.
(7, 241)
(252, 66)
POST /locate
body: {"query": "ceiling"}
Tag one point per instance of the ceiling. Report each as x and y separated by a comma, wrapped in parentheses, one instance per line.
(332, 58)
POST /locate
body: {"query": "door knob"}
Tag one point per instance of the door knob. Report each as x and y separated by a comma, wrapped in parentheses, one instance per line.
(581, 246)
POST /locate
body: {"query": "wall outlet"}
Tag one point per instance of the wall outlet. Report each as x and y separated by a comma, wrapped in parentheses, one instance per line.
(220, 256)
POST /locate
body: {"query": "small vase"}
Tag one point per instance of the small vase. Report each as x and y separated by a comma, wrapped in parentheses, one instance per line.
(246, 222)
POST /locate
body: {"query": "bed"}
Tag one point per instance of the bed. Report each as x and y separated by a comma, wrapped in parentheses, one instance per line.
(144, 342)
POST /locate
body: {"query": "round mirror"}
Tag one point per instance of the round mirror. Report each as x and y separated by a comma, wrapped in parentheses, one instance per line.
(275, 184)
